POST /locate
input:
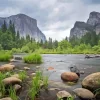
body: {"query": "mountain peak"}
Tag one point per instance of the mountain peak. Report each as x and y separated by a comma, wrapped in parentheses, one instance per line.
(94, 13)
(92, 24)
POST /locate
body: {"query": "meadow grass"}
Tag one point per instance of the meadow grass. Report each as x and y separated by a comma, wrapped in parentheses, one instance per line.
(33, 58)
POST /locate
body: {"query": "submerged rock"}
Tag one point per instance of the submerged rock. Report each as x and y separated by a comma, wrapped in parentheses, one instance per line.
(69, 77)
(33, 74)
(63, 94)
(75, 70)
(12, 60)
(7, 98)
(18, 58)
(82, 72)
(11, 80)
(37, 67)
(26, 68)
(92, 81)
(84, 93)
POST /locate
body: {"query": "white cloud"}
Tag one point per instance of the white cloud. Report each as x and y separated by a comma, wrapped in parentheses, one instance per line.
(55, 17)
(57, 35)
(9, 11)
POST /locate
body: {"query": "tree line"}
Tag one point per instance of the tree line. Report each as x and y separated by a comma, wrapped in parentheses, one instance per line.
(11, 40)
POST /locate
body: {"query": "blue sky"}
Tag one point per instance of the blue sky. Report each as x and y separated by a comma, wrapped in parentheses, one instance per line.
(55, 17)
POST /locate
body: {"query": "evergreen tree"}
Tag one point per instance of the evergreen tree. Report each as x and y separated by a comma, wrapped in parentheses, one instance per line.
(4, 27)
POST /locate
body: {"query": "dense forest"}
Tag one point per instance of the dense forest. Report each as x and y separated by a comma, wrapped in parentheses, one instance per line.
(11, 40)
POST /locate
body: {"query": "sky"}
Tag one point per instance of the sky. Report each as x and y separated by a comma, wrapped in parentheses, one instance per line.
(55, 18)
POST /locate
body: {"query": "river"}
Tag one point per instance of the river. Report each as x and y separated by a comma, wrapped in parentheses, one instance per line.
(61, 63)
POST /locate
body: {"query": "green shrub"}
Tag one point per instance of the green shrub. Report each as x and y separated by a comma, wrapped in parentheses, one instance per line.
(5, 56)
(33, 58)
(15, 50)
(25, 49)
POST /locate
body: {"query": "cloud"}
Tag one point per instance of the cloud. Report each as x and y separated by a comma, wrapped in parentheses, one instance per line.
(55, 17)
(92, 1)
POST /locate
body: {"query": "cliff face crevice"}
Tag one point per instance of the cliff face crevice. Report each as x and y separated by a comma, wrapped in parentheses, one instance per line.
(92, 24)
(25, 25)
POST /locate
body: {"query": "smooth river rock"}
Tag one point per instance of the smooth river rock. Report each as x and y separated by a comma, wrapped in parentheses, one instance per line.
(11, 80)
(26, 68)
(7, 67)
(17, 87)
(92, 81)
(69, 77)
(7, 98)
(84, 93)
(63, 94)
(16, 76)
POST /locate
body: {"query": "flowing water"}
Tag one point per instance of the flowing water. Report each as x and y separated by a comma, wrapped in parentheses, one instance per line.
(61, 63)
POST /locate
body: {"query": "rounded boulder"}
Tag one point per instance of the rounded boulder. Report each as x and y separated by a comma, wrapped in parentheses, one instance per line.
(92, 81)
(7, 67)
(11, 80)
(84, 94)
(63, 94)
(7, 98)
(69, 77)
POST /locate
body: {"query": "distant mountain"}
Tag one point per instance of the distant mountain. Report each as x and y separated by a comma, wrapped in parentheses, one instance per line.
(92, 24)
(25, 25)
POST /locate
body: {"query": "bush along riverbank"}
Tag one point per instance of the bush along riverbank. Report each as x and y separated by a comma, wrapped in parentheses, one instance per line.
(5, 56)
(33, 58)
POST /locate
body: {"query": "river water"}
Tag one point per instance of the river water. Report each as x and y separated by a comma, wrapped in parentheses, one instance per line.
(61, 63)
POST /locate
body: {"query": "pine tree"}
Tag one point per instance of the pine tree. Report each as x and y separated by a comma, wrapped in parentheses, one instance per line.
(4, 27)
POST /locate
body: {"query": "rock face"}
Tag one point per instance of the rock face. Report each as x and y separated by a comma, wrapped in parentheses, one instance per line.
(69, 77)
(84, 94)
(25, 25)
(92, 81)
(92, 24)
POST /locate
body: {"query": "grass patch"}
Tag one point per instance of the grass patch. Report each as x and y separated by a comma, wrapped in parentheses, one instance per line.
(36, 85)
(22, 75)
(45, 81)
(5, 56)
(33, 58)
(12, 93)
(2, 86)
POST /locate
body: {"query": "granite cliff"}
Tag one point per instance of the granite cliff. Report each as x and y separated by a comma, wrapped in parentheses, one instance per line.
(92, 24)
(25, 25)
